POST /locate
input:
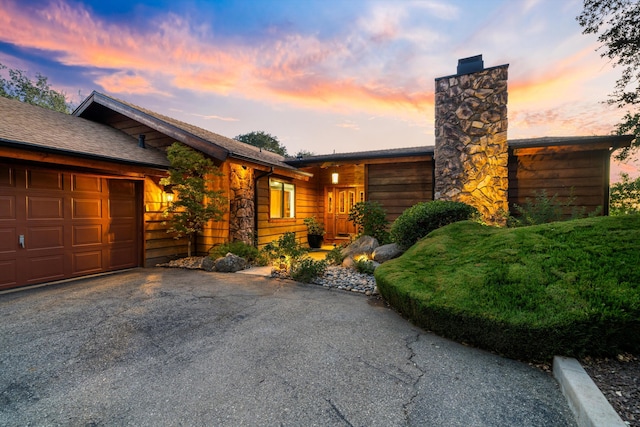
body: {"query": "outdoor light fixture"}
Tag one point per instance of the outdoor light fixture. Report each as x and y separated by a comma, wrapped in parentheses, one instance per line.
(334, 178)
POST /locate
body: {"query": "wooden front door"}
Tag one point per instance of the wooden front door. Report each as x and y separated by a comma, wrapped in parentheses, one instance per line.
(339, 201)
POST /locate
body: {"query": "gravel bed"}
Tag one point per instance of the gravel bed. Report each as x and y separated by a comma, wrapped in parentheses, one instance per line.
(619, 380)
(341, 278)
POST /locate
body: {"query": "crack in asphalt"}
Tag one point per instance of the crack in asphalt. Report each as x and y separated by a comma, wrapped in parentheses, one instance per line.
(409, 341)
(339, 413)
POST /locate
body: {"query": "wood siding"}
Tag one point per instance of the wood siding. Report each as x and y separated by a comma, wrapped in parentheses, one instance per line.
(397, 188)
(582, 175)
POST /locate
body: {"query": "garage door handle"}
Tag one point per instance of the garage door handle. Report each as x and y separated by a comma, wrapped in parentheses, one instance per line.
(21, 241)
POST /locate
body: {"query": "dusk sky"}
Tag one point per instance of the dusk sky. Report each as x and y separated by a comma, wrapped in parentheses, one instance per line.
(322, 76)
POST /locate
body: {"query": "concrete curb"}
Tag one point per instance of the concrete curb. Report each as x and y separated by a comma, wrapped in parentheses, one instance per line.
(587, 402)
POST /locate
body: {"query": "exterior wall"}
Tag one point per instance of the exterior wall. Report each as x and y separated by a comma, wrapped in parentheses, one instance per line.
(582, 175)
(241, 204)
(398, 188)
(471, 153)
(306, 205)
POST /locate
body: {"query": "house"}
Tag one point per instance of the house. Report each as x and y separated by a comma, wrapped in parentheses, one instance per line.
(80, 194)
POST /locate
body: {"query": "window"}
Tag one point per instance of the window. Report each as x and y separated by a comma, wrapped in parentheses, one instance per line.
(282, 197)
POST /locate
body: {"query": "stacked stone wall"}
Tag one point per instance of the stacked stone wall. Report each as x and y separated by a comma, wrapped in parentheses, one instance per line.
(471, 152)
(241, 204)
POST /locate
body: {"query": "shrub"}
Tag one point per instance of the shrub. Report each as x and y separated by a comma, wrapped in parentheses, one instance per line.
(371, 220)
(241, 249)
(364, 266)
(286, 247)
(314, 227)
(625, 196)
(334, 256)
(543, 209)
(307, 269)
(421, 219)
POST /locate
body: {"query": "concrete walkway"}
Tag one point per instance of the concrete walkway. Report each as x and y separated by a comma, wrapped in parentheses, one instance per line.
(154, 347)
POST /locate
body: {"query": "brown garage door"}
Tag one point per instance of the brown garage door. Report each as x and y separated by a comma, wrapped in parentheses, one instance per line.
(56, 225)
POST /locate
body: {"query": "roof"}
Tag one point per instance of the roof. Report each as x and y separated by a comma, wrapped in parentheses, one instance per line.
(213, 144)
(610, 141)
(36, 128)
(363, 155)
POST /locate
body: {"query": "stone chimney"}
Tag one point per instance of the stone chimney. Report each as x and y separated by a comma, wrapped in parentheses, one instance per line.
(471, 153)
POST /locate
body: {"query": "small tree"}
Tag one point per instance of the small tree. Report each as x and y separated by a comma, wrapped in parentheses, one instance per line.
(263, 140)
(19, 86)
(625, 196)
(196, 204)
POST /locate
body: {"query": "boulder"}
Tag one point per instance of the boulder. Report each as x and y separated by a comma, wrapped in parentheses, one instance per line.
(365, 245)
(230, 263)
(386, 252)
(348, 262)
(191, 263)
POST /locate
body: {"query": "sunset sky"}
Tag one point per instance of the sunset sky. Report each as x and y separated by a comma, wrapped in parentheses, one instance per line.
(322, 76)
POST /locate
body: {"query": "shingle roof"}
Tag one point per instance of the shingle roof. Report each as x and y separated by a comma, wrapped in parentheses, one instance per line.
(220, 146)
(362, 155)
(38, 128)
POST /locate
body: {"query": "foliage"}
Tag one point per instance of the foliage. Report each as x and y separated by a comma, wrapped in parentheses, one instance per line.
(364, 266)
(19, 86)
(543, 209)
(616, 23)
(371, 220)
(314, 227)
(625, 196)
(307, 269)
(304, 153)
(239, 248)
(570, 288)
(421, 219)
(263, 140)
(286, 248)
(334, 256)
(196, 204)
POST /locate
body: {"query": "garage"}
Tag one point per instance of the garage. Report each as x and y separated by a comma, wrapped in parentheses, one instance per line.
(58, 224)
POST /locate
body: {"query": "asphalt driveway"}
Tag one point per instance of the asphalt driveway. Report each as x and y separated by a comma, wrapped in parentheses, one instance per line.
(152, 347)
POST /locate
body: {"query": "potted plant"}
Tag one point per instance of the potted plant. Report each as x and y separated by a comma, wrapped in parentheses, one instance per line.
(315, 232)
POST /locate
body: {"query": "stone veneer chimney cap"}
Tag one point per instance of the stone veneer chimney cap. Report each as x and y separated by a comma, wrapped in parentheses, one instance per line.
(470, 65)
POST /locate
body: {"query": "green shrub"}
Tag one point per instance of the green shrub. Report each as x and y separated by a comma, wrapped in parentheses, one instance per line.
(334, 256)
(307, 269)
(625, 196)
(286, 247)
(371, 220)
(543, 209)
(421, 219)
(364, 266)
(241, 249)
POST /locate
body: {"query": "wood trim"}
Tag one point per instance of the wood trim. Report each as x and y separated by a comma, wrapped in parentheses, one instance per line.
(555, 149)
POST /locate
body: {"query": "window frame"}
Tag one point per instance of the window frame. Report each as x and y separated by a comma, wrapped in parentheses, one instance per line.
(285, 187)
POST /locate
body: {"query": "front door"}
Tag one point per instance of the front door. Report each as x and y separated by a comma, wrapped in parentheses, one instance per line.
(339, 201)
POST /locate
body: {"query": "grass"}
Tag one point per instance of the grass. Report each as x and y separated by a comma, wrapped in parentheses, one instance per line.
(569, 288)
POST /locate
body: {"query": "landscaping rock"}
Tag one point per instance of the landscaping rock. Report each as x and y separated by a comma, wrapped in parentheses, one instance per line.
(191, 263)
(386, 252)
(230, 263)
(348, 262)
(365, 245)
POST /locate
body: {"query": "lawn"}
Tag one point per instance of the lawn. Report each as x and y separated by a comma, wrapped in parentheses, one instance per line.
(569, 288)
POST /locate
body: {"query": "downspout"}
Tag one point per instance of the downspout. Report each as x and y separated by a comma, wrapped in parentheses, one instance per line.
(255, 203)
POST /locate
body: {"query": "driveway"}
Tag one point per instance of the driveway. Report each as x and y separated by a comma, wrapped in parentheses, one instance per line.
(152, 347)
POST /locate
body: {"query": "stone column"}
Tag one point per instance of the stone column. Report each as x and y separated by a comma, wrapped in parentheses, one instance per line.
(241, 204)
(471, 152)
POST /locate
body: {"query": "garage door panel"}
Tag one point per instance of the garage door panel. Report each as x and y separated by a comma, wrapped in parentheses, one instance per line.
(125, 232)
(87, 262)
(45, 238)
(86, 208)
(7, 176)
(7, 207)
(8, 240)
(45, 180)
(119, 187)
(122, 209)
(8, 274)
(122, 257)
(90, 234)
(45, 268)
(45, 208)
(91, 184)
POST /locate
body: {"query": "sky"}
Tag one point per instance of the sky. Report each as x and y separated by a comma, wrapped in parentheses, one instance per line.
(322, 76)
